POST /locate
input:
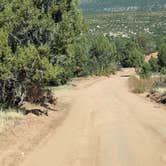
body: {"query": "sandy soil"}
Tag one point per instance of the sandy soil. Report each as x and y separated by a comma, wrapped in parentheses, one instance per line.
(105, 125)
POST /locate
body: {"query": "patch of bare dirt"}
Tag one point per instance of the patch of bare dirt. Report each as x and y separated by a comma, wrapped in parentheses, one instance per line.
(28, 133)
(33, 130)
(86, 82)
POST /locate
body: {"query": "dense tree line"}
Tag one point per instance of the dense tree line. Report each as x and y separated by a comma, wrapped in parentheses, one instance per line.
(131, 52)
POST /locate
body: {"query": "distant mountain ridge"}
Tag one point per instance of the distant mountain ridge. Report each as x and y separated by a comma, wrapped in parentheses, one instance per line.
(121, 5)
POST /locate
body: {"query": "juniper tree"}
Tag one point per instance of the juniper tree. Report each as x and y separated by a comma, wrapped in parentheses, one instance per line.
(35, 36)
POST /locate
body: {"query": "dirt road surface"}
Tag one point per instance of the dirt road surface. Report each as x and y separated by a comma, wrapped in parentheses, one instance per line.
(107, 125)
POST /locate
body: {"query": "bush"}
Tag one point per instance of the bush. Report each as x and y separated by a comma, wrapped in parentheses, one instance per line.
(145, 70)
(163, 70)
(130, 55)
(140, 85)
(101, 55)
(79, 54)
(28, 69)
(154, 64)
(107, 71)
(135, 58)
(146, 43)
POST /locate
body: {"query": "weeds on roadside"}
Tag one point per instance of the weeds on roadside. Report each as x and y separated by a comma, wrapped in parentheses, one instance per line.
(161, 82)
(107, 71)
(140, 85)
(9, 117)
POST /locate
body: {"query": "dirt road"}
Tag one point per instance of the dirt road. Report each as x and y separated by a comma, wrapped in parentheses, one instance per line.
(107, 126)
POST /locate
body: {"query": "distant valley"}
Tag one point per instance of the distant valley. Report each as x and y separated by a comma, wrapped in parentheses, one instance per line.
(91, 6)
(128, 23)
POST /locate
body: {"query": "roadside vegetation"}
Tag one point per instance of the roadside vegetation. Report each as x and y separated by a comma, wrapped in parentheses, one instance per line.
(154, 87)
(9, 118)
(140, 85)
(151, 74)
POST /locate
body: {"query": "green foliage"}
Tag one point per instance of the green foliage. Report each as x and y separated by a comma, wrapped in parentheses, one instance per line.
(162, 55)
(79, 54)
(130, 55)
(35, 39)
(160, 40)
(163, 70)
(135, 58)
(111, 69)
(5, 56)
(46, 43)
(27, 60)
(145, 70)
(154, 64)
(102, 53)
(146, 43)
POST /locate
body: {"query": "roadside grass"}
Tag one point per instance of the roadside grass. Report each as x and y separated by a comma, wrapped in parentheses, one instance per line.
(107, 71)
(8, 118)
(140, 85)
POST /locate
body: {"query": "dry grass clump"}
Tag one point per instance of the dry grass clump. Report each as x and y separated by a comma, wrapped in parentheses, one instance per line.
(8, 118)
(140, 85)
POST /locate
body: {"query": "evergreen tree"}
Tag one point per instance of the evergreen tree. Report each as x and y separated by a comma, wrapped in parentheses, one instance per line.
(102, 53)
(131, 56)
(35, 38)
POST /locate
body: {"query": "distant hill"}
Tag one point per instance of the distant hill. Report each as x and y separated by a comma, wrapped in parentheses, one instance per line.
(121, 5)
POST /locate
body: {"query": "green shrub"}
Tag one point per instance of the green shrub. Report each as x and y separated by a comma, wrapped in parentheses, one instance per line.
(130, 55)
(154, 64)
(145, 70)
(163, 70)
(107, 71)
(146, 43)
(102, 53)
